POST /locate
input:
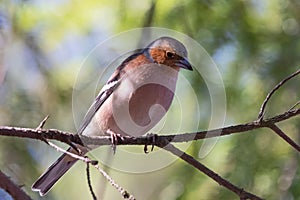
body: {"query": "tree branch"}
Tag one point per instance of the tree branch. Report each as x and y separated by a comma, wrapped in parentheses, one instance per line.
(286, 138)
(192, 161)
(164, 141)
(10, 187)
(94, 163)
(68, 138)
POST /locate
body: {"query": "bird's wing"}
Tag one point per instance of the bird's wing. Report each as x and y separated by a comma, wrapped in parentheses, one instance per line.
(106, 91)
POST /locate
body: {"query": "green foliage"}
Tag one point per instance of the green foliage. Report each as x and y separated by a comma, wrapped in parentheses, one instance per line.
(254, 43)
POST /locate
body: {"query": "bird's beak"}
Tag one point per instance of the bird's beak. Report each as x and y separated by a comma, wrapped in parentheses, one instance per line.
(184, 63)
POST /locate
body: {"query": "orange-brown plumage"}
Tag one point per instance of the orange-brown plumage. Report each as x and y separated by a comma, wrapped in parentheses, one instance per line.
(135, 98)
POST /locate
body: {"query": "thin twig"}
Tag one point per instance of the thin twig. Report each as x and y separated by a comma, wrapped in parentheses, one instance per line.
(263, 106)
(295, 105)
(87, 160)
(286, 138)
(78, 157)
(89, 181)
(42, 124)
(192, 161)
(123, 192)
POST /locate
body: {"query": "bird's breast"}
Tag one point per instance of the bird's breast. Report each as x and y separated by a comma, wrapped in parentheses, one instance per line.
(140, 101)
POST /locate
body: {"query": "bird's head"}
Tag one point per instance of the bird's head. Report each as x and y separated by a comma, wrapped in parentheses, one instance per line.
(170, 52)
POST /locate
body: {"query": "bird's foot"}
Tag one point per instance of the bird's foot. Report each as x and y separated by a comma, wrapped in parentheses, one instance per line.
(152, 141)
(76, 148)
(114, 139)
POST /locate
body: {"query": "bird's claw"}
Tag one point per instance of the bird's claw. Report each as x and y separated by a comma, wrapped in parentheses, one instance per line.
(114, 139)
(78, 150)
(152, 141)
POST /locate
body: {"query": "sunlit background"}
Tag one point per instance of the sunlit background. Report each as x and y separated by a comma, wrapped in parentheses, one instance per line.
(255, 44)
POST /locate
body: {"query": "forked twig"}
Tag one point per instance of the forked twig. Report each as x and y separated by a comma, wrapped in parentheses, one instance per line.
(87, 160)
(263, 106)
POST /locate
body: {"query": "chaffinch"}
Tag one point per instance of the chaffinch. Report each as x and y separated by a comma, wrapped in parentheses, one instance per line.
(134, 99)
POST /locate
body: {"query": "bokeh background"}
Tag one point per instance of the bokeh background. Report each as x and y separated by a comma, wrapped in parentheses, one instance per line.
(254, 43)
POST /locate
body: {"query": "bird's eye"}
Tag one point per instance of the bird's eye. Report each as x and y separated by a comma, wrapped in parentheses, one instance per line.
(170, 54)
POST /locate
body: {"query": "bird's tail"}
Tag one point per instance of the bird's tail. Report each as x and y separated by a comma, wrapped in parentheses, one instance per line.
(45, 182)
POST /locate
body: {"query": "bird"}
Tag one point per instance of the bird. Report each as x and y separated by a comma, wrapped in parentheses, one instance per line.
(134, 99)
